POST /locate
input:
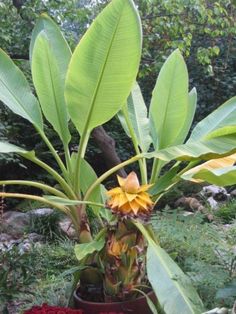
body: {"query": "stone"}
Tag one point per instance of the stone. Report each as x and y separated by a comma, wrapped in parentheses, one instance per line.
(233, 193)
(213, 203)
(34, 237)
(187, 214)
(15, 223)
(41, 212)
(218, 193)
(189, 203)
(67, 228)
(4, 237)
(223, 310)
(214, 311)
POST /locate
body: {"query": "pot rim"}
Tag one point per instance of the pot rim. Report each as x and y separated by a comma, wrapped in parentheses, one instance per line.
(102, 303)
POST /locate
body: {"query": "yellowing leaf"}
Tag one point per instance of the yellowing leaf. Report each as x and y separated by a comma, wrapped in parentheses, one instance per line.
(214, 164)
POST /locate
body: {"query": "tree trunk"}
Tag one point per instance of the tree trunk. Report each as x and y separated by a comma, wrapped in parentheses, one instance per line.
(107, 145)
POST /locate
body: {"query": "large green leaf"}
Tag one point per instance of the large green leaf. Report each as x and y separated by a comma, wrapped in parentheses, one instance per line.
(15, 92)
(49, 85)
(137, 114)
(173, 288)
(84, 249)
(205, 150)
(104, 66)
(220, 122)
(60, 47)
(169, 105)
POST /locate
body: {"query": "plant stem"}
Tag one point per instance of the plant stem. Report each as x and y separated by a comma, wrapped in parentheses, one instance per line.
(156, 168)
(142, 162)
(68, 162)
(110, 172)
(68, 190)
(64, 209)
(38, 185)
(81, 152)
(34, 198)
(54, 153)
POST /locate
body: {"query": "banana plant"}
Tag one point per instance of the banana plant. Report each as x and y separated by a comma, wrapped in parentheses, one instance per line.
(88, 87)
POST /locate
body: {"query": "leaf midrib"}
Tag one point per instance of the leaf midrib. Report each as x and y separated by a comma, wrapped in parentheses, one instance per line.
(167, 108)
(55, 97)
(101, 75)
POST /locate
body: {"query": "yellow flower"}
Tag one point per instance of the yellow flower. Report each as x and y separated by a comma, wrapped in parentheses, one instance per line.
(116, 248)
(130, 198)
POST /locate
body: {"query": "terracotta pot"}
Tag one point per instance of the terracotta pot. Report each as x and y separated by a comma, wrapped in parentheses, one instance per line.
(137, 306)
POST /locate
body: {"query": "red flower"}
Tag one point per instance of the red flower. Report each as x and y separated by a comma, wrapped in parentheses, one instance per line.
(47, 309)
(111, 313)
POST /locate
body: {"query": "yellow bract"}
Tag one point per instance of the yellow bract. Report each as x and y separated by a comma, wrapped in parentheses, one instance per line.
(116, 248)
(130, 198)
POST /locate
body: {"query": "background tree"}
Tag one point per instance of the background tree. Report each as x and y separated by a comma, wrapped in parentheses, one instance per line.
(205, 32)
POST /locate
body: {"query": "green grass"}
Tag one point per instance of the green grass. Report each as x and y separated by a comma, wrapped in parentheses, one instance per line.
(227, 212)
(202, 250)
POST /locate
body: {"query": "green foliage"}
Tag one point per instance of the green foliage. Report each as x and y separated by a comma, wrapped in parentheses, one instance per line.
(170, 280)
(204, 251)
(107, 70)
(46, 225)
(203, 31)
(170, 103)
(41, 267)
(227, 212)
(14, 278)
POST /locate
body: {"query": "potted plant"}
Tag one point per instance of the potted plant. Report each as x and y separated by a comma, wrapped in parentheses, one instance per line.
(89, 87)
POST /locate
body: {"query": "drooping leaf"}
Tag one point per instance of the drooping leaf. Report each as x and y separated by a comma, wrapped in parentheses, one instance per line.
(49, 85)
(104, 66)
(219, 171)
(173, 288)
(218, 123)
(6, 148)
(205, 150)
(137, 114)
(84, 249)
(169, 105)
(15, 92)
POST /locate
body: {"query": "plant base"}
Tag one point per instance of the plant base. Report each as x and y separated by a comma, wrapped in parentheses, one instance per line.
(137, 306)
